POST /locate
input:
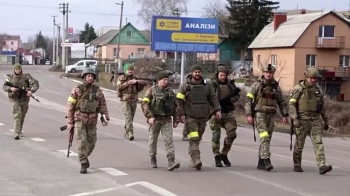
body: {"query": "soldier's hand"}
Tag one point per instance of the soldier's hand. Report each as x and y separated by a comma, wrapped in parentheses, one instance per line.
(250, 120)
(151, 121)
(13, 89)
(29, 94)
(182, 119)
(296, 123)
(284, 120)
(218, 115)
(325, 126)
(69, 127)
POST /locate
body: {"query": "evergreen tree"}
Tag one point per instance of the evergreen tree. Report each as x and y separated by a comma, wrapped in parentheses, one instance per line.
(247, 18)
(40, 41)
(88, 34)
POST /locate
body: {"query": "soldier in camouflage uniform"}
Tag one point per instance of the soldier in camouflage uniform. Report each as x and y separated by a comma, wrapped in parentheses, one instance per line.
(261, 104)
(306, 104)
(158, 105)
(194, 98)
(85, 102)
(20, 102)
(128, 88)
(228, 94)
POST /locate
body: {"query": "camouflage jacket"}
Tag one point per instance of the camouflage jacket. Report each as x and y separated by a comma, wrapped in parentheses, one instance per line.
(298, 92)
(88, 119)
(146, 105)
(31, 84)
(253, 97)
(184, 93)
(128, 92)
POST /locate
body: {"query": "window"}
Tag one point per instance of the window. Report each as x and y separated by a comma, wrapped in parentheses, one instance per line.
(11, 43)
(344, 60)
(326, 31)
(274, 59)
(129, 33)
(115, 51)
(80, 64)
(140, 51)
(310, 60)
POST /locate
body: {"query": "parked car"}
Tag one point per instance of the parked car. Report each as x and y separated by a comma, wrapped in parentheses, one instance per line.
(81, 65)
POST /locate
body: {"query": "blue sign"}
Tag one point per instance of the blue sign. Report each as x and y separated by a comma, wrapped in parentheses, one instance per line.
(178, 34)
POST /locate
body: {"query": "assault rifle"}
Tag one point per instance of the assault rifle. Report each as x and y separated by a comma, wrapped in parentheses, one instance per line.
(71, 132)
(20, 90)
(225, 99)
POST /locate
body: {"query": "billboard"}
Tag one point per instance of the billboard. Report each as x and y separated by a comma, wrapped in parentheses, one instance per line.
(180, 34)
(70, 32)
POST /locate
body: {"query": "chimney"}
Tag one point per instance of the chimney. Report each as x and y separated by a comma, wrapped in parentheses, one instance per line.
(279, 18)
(303, 11)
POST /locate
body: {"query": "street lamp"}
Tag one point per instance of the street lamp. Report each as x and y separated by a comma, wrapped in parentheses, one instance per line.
(117, 69)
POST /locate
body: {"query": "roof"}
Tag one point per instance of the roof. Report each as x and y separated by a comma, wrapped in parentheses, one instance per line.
(145, 33)
(288, 32)
(105, 37)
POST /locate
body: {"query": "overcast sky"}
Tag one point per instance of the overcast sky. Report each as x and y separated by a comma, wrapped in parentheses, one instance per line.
(27, 17)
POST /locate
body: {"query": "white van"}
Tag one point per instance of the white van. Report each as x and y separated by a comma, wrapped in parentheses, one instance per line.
(81, 65)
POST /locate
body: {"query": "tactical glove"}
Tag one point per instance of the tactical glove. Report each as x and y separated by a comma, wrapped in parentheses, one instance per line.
(296, 123)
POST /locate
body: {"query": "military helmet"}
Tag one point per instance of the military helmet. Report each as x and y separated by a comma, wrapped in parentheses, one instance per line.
(268, 68)
(312, 72)
(88, 70)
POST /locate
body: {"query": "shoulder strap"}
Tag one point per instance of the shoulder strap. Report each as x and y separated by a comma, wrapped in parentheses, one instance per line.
(81, 87)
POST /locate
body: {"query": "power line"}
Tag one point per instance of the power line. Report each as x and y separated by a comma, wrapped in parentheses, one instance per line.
(82, 12)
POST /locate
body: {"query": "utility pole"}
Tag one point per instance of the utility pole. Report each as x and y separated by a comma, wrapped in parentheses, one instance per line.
(67, 34)
(63, 7)
(177, 14)
(57, 41)
(119, 68)
(53, 39)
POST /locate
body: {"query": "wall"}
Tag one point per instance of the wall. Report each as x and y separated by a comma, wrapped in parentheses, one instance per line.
(125, 50)
(136, 37)
(285, 65)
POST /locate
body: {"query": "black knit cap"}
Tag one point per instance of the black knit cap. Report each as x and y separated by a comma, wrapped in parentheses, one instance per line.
(196, 67)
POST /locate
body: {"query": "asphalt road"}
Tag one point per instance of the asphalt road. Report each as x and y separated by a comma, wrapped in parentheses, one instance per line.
(37, 164)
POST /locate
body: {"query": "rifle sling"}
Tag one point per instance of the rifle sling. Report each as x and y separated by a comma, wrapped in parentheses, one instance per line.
(83, 95)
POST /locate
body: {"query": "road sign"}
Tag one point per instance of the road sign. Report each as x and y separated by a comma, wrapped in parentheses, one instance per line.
(70, 32)
(180, 34)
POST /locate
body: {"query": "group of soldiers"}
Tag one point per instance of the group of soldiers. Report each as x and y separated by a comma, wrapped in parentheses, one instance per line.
(196, 102)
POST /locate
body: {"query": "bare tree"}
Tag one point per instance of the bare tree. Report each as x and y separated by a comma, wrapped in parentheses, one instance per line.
(217, 9)
(150, 8)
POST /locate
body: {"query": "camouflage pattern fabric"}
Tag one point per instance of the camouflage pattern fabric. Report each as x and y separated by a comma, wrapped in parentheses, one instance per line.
(166, 129)
(86, 139)
(195, 129)
(19, 110)
(128, 92)
(265, 125)
(129, 109)
(314, 130)
(228, 122)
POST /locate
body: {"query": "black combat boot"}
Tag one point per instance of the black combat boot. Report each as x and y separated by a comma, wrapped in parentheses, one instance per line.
(172, 165)
(261, 164)
(87, 163)
(268, 165)
(83, 169)
(225, 160)
(197, 163)
(185, 137)
(325, 168)
(153, 162)
(218, 161)
(297, 168)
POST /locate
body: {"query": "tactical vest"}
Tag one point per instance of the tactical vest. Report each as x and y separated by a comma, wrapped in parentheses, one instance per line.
(197, 105)
(88, 103)
(21, 82)
(222, 91)
(309, 100)
(163, 102)
(267, 101)
(131, 89)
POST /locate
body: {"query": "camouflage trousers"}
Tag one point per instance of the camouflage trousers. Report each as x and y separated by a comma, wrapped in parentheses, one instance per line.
(184, 131)
(195, 129)
(19, 110)
(228, 122)
(265, 125)
(86, 137)
(314, 130)
(166, 129)
(129, 109)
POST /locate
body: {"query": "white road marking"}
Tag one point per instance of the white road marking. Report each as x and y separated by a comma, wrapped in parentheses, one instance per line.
(113, 172)
(37, 139)
(96, 192)
(11, 130)
(1, 124)
(152, 187)
(73, 154)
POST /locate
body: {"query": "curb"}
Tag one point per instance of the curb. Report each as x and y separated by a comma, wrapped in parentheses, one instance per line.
(105, 89)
